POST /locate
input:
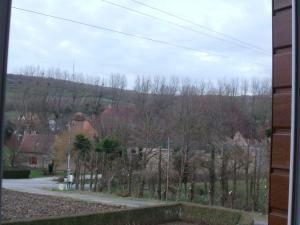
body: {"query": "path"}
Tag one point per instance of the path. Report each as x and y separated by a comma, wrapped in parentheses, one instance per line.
(44, 186)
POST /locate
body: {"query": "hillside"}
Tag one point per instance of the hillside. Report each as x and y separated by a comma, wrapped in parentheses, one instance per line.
(25, 91)
(56, 98)
(17, 83)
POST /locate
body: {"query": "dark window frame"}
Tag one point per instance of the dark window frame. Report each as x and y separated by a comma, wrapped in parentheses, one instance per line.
(5, 11)
(32, 160)
(294, 194)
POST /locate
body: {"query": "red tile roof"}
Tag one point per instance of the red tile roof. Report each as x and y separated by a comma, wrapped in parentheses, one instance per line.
(79, 117)
(124, 113)
(37, 143)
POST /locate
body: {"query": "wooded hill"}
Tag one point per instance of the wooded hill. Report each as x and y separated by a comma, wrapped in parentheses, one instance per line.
(193, 116)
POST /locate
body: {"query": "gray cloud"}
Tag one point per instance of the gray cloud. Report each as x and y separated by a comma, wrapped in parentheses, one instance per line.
(37, 40)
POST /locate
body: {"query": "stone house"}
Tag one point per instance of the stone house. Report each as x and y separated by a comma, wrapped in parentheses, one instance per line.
(35, 151)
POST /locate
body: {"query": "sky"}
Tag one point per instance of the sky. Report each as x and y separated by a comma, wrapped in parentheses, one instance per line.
(204, 52)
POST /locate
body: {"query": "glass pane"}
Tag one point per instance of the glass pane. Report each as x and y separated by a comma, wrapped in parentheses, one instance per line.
(129, 104)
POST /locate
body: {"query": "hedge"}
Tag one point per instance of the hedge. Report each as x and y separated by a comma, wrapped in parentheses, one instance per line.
(207, 215)
(150, 216)
(16, 173)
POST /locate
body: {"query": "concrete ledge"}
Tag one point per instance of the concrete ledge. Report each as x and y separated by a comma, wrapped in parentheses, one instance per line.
(208, 215)
(203, 215)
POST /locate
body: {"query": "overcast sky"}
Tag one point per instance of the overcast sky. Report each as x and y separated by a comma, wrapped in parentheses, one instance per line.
(47, 42)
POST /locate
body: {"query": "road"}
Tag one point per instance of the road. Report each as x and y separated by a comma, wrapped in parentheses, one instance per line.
(45, 186)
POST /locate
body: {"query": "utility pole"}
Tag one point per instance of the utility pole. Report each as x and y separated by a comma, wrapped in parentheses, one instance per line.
(69, 158)
(168, 168)
(5, 9)
(73, 72)
(294, 195)
(69, 179)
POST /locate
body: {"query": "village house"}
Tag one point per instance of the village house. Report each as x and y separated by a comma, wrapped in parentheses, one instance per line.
(35, 151)
(80, 124)
(114, 118)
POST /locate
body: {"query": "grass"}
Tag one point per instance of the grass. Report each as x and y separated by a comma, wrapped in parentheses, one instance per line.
(256, 215)
(114, 196)
(11, 115)
(260, 216)
(201, 196)
(37, 173)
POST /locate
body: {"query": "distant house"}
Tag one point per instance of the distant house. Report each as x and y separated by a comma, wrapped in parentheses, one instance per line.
(52, 125)
(153, 157)
(239, 140)
(35, 151)
(29, 122)
(80, 124)
(28, 117)
(123, 113)
(113, 118)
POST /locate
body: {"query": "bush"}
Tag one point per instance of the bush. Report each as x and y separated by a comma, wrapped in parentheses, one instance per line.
(50, 168)
(16, 173)
(209, 215)
(36, 173)
(7, 156)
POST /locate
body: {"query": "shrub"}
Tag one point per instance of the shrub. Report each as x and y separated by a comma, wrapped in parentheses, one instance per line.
(16, 173)
(50, 168)
(7, 156)
(209, 215)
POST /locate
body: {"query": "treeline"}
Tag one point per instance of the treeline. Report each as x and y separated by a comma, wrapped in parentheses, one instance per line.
(173, 139)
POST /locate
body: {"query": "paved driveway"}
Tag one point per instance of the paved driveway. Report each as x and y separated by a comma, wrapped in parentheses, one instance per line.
(44, 186)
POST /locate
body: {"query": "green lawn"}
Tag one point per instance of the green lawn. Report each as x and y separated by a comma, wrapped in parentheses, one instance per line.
(36, 173)
(11, 115)
(201, 195)
(256, 215)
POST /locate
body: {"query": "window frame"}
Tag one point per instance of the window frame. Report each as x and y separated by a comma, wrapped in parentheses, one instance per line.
(294, 195)
(5, 12)
(294, 184)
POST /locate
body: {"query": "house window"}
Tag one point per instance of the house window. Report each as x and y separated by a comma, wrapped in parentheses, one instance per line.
(32, 160)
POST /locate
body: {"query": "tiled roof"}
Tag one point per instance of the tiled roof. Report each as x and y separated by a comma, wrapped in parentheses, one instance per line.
(81, 124)
(79, 117)
(37, 143)
(124, 113)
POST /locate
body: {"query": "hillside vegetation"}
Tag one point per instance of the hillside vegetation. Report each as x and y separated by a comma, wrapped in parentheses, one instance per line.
(167, 139)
